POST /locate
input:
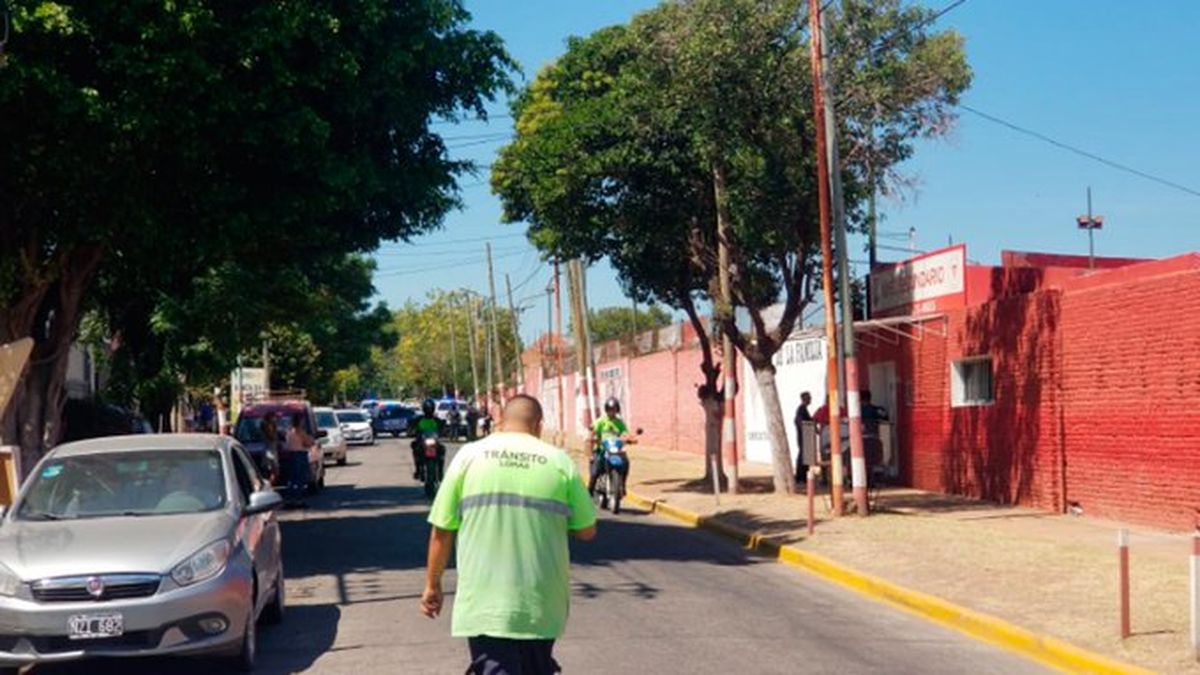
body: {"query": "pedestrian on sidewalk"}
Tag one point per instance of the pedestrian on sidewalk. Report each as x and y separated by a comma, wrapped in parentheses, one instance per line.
(512, 500)
(802, 416)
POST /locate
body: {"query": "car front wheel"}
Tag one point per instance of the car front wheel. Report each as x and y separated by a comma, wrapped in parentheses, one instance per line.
(247, 657)
(272, 614)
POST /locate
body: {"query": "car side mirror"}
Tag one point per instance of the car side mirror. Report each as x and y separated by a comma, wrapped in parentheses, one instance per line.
(263, 501)
(322, 433)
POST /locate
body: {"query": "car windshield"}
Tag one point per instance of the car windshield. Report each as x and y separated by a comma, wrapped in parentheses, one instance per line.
(326, 420)
(139, 483)
(391, 412)
(347, 416)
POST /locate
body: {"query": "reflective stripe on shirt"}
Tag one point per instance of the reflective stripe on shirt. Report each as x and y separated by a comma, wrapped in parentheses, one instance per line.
(510, 499)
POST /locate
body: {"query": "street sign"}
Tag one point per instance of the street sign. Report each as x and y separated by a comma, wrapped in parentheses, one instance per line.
(922, 285)
(245, 386)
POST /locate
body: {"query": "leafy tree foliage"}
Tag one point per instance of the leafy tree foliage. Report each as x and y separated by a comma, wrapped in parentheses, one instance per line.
(611, 323)
(182, 148)
(636, 141)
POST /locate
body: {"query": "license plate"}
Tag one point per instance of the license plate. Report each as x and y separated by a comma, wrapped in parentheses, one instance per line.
(95, 626)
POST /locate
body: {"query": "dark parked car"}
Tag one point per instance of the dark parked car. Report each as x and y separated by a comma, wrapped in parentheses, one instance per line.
(248, 432)
(89, 419)
(392, 418)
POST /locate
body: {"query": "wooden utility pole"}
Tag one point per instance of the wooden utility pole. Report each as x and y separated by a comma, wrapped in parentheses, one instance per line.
(471, 336)
(487, 363)
(558, 332)
(516, 327)
(582, 375)
(831, 337)
(499, 363)
(858, 462)
(728, 359)
(453, 344)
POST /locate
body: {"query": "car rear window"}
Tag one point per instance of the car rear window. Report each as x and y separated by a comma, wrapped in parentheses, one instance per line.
(326, 419)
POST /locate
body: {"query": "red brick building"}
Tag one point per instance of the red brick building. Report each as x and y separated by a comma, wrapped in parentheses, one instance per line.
(1044, 383)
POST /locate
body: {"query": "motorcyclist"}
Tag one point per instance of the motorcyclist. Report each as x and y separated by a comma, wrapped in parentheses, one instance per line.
(425, 424)
(607, 426)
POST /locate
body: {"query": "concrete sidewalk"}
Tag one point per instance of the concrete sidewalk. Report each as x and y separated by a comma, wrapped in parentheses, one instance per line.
(1052, 574)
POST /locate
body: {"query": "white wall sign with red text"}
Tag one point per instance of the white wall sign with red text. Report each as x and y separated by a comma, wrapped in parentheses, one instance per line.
(922, 285)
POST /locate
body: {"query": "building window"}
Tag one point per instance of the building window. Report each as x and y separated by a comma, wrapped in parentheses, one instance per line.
(971, 382)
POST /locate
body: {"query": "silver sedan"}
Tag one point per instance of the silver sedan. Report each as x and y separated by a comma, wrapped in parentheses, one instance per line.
(137, 546)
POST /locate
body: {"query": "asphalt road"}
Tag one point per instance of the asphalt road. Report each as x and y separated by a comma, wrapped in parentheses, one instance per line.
(650, 597)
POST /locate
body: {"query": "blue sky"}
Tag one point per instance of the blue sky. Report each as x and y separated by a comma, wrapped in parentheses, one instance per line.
(1120, 81)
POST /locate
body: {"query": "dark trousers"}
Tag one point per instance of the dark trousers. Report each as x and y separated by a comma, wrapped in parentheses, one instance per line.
(503, 656)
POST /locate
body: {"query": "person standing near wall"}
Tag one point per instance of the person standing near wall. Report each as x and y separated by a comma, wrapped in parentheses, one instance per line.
(802, 416)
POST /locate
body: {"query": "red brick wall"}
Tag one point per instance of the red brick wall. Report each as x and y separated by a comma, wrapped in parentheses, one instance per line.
(1094, 385)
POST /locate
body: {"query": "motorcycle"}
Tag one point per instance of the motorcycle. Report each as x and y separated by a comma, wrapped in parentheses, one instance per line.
(433, 466)
(611, 486)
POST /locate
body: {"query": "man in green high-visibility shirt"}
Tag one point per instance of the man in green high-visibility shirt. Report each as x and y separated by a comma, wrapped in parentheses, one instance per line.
(512, 500)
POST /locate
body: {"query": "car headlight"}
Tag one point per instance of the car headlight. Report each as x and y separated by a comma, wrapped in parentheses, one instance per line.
(9, 583)
(206, 563)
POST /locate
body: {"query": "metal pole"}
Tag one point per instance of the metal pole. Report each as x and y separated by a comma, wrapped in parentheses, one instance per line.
(487, 367)
(728, 361)
(266, 357)
(453, 346)
(471, 336)
(558, 332)
(1091, 233)
(831, 337)
(590, 362)
(499, 363)
(581, 357)
(1123, 555)
(516, 327)
(810, 483)
(858, 464)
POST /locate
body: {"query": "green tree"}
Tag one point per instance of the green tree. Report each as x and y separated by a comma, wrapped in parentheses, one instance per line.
(168, 142)
(641, 138)
(611, 323)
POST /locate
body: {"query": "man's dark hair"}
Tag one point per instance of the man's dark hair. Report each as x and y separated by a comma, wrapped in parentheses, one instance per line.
(524, 410)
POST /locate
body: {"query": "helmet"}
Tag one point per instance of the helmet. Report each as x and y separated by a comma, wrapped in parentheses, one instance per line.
(612, 405)
(428, 406)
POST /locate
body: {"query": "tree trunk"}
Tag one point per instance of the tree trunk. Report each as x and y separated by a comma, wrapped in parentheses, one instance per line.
(781, 456)
(50, 314)
(712, 440)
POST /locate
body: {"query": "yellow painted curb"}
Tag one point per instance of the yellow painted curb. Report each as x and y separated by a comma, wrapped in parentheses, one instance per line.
(1046, 650)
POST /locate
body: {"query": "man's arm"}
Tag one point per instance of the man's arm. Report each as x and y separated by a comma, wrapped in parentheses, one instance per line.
(441, 543)
(586, 534)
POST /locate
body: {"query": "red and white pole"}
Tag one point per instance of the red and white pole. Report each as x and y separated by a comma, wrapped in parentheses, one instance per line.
(1196, 594)
(728, 424)
(1123, 553)
(858, 460)
(811, 488)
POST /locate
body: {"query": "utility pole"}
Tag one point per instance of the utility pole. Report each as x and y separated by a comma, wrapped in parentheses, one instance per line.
(728, 360)
(487, 364)
(453, 346)
(499, 363)
(574, 290)
(558, 332)
(1091, 224)
(266, 359)
(581, 276)
(516, 327)
(471, 333)
(858, 464)
(831, 337)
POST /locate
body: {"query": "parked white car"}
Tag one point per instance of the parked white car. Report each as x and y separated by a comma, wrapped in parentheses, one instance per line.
(333, 444)
(356, 426)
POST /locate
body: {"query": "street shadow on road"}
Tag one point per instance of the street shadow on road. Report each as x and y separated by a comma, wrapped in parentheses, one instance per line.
(622, 539)
(353, 497)
(341, 545)
(308, 631)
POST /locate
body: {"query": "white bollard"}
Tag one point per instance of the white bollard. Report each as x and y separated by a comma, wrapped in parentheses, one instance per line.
(1196, 595)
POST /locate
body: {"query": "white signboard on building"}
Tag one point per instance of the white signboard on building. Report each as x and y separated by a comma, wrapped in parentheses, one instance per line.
(799, 367)
(246, 385)
(921, 285)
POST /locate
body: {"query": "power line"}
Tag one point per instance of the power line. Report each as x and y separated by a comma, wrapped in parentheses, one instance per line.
(1078, 151)
(451, 265)
(485, 120)
(471, 240)
(891, 40)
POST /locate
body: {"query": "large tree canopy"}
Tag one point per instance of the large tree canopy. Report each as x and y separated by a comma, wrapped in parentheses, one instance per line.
(635, 141)
(177, 146)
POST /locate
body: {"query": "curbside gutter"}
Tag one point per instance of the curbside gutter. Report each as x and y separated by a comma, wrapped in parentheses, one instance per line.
(1045, 650)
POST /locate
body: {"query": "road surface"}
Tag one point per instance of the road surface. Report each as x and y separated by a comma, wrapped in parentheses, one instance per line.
(650, 597)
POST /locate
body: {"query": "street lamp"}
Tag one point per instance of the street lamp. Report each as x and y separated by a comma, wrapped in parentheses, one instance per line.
(1091, 224)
